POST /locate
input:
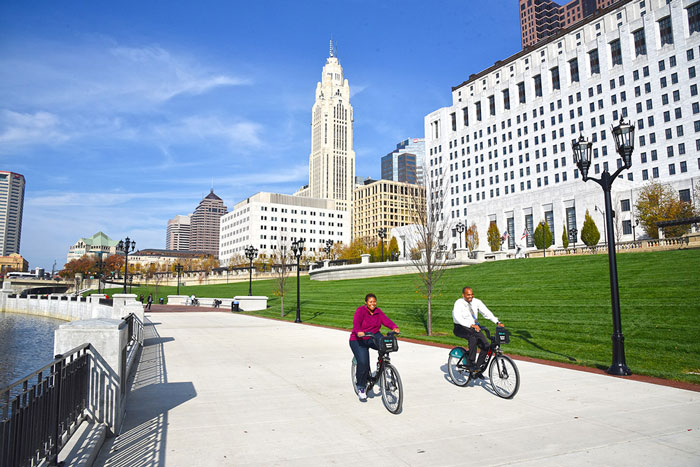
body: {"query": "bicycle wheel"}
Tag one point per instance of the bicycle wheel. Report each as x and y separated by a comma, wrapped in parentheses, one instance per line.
(392, 389)
(504, 376)
(459, 376)
(353, 375)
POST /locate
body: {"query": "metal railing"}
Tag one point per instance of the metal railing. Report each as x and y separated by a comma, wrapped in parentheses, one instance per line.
(37, 411)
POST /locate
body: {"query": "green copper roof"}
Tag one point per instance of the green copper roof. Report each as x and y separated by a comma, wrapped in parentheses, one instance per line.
(99, 239)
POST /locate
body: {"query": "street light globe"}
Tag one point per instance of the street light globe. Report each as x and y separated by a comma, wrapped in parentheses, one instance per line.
(624, 141)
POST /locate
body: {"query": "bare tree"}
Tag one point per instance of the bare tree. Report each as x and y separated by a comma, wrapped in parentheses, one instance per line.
(281, 260)
(617, 218)
(431, 235)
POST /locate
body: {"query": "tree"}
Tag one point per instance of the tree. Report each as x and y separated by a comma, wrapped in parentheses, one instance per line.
(658, 202)
(83, 265)
(282, 259)
(564, 237)
(590, 235)
(393, 248)
(357, 247)
(430, 233)
(472, 237)
(494, 237)
(540, 236)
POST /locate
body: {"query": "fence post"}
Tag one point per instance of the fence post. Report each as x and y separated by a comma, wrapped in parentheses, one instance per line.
(53, 459)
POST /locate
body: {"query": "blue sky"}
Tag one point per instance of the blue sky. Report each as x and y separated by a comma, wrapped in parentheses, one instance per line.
(122, 114)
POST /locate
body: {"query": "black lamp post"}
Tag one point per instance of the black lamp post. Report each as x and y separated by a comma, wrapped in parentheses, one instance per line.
(572, 235)
(460, 228)
(178, 269)
(329, 245)
(250, 253)
(126, 246)
(544, 241)
(298, 248)
(602, 213)
(382, 235)
(100, 273)
(131, 281)
(624, 142)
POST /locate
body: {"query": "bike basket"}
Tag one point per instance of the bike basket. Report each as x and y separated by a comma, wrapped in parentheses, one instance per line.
(501, 336)
(388, 344)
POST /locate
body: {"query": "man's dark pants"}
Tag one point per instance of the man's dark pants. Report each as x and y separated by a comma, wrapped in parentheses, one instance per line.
(360, 348)
(473, 339)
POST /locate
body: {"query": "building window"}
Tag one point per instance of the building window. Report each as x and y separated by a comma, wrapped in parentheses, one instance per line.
(640, 43)
(573, 69)
(594, 61)
(521, 92)
(694, 17)
(672, 169)
(555, 78)
(666, 31)
(506, 99)
(478, 111)
(538, 85)
(684, 195)
(625, 205)
(616, 52)
(626, 227)
(492, 105)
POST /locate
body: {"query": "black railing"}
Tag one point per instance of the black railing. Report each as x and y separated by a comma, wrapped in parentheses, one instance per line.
(37, 411)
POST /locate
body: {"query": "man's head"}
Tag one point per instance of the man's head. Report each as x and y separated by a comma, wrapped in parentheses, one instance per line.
(468, 294)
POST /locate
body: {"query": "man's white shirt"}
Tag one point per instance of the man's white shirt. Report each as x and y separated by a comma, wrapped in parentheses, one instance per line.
(462, 315)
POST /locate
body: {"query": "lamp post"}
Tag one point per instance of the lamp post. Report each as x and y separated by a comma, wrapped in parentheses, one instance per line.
(460, 228)
(329, 245)
(100, 272)
(572, 236)
(298, 248)
(250, 253)
(624, 142)
(602, 213)
(382, 235)
(544, 241)
(126, 246)
(178, 269)
(131, 281)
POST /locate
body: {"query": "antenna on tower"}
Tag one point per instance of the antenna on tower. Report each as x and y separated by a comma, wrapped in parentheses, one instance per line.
(331, 47)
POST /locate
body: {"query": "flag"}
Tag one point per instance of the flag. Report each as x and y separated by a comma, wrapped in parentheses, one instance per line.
(505, 236)
(525, 234)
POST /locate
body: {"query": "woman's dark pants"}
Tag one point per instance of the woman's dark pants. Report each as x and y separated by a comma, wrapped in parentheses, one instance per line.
(360, 348)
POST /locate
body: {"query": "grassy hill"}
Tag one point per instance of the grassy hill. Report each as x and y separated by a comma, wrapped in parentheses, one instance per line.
(557, 308)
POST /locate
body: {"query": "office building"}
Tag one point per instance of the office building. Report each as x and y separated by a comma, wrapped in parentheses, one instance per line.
(332, 158)
(502, 151)
(204, 225)
(11, 207)
(385, 204)
(268, 221)
(405, 163)
(178, 234)
(540, 19)
(13, 262)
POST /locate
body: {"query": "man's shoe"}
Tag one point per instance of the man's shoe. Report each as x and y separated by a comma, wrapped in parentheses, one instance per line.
(361, 394)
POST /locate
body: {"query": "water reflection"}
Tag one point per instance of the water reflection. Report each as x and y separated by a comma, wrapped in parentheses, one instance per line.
(26, 344)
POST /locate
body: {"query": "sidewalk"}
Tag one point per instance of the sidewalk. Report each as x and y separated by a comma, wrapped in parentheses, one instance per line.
(225, 389)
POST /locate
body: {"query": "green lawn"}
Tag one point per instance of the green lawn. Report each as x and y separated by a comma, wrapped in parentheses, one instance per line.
(557, 308)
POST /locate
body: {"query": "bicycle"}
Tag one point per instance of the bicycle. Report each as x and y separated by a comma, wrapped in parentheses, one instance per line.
(387, 376)
(503, 374)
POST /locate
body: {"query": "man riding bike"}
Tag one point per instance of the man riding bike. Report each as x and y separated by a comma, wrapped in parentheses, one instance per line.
(465, 314)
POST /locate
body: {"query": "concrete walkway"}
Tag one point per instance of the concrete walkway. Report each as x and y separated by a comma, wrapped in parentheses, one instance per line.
(225, 389)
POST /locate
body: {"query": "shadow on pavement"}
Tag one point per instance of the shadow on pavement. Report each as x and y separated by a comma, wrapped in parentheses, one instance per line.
(141, 440)
(484, 383)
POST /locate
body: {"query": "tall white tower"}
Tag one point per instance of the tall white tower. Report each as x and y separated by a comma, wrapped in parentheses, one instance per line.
(332, 159)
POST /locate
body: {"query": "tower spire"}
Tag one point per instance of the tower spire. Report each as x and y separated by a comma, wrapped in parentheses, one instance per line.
(331, 47)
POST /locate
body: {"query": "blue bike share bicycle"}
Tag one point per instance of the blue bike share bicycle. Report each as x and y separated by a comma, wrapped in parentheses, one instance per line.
(386, 376)
(503, 374)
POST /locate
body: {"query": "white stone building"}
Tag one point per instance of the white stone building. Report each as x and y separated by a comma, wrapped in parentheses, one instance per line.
(502, 151)
(269, 220)
(177, 236)
(332, 158)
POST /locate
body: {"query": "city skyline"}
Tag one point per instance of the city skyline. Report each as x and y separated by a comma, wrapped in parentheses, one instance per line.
(120, 120)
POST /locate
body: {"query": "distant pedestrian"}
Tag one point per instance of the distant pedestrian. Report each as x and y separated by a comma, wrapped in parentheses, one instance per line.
(150, 301)
(141, 298)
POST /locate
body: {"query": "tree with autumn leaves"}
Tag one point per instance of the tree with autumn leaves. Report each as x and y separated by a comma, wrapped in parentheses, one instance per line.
(658, 202)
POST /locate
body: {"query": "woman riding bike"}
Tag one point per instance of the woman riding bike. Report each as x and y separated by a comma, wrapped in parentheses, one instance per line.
(368, 319)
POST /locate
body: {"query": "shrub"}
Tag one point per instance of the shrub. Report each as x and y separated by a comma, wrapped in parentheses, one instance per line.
(494, 237)
(542, 239)
(565, 238)
(590, 235)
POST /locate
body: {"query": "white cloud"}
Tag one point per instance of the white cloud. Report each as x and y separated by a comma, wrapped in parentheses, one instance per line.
(38, 127)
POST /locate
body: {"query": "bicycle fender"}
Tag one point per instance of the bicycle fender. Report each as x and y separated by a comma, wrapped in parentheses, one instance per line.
(458, 352)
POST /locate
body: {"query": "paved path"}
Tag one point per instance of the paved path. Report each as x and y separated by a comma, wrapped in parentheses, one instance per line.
(225, 389)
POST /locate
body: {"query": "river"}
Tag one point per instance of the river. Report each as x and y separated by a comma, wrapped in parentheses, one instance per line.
(26, 344)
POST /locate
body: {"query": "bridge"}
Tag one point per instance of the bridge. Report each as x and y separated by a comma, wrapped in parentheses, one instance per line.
(35, 286)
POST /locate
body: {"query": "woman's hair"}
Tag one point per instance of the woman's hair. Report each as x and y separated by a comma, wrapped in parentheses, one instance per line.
(370, 295)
